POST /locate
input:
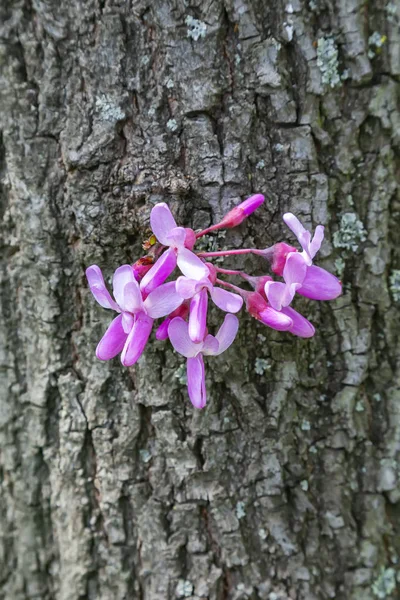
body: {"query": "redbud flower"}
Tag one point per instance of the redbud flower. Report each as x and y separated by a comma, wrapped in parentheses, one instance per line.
(260, 310)
(316, 283)
(198, 291)
(129, 331)
(178, 332)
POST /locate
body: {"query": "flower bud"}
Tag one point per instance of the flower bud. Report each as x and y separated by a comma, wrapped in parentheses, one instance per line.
(141, 267)
(190, 238)
(240, 212)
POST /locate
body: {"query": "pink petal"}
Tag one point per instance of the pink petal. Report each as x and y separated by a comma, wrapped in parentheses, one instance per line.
(279, 294)
(162, 301)
(226, 301)
(159, 272)
(198, 316)
(251, 204)
(301, 326)
(112, 341)
(211, 345)
(187, 288)
(320, 285)
(133, 302)
(98, 288)
(137, 340)
(128, 321)
(275, 319)
(317, 240)
(191, 265)
(162, 331)
(295, 268)
(176, 237)
(196, 381)
(122, 276)
(162, 222)
(179, 337)
(294, 224)
(227, 333)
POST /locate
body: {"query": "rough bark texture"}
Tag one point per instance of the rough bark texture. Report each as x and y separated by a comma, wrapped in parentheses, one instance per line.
(287, 485)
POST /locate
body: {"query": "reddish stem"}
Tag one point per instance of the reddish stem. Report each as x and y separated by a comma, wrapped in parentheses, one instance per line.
(232, 287)
(228, 271)
(228, 252)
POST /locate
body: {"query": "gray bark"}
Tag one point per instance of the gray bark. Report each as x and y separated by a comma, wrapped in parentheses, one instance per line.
(287, 486)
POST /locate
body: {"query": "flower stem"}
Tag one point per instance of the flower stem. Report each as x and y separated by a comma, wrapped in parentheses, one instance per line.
(208, 230)
(231, 286)
(228, 252)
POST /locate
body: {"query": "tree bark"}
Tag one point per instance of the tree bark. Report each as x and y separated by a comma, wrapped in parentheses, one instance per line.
(286, 486)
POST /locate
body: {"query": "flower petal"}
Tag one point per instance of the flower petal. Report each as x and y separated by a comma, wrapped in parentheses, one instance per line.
(179, 336)
(112, 341)
(191, 265)
(133, 302)
(317, 240)
(159, 272)
(210, 345)
(227, 332)
(275, 319)
(122, 276)
(226, 301)
(137, 340)
(98, 288)
(176, 237)
(162, 222)
(320, 285)
(295, 268)
(196, 381)
(301, 326)
(162, 331)
(294, 224)
(276, 292)
(186, 287)
(198, 316)
(162, 301)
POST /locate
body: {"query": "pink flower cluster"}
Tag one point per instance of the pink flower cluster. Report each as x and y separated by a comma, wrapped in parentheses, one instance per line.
(141, 295)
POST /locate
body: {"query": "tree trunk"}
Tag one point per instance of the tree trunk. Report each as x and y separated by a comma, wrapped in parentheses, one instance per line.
(286, 486)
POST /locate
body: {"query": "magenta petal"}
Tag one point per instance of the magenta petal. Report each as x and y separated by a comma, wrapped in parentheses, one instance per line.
(275, 292)
(179, 338)
(226, 301)
(162, 222)
(294, 224)
(210, 345)
(112, 341)
(251, 204)
(162, 331)
(137, 340)
(317, 240)
(227, 333)
(196, 381)
(275, 319)
(162, 301)
(301, 326)
(176, 237)
(295, 268)
(159, 272)
(122, 276)
(186, 287)
(320, 285)
(98, 288)
(133, 302)
(191, 265)
(198, 316)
